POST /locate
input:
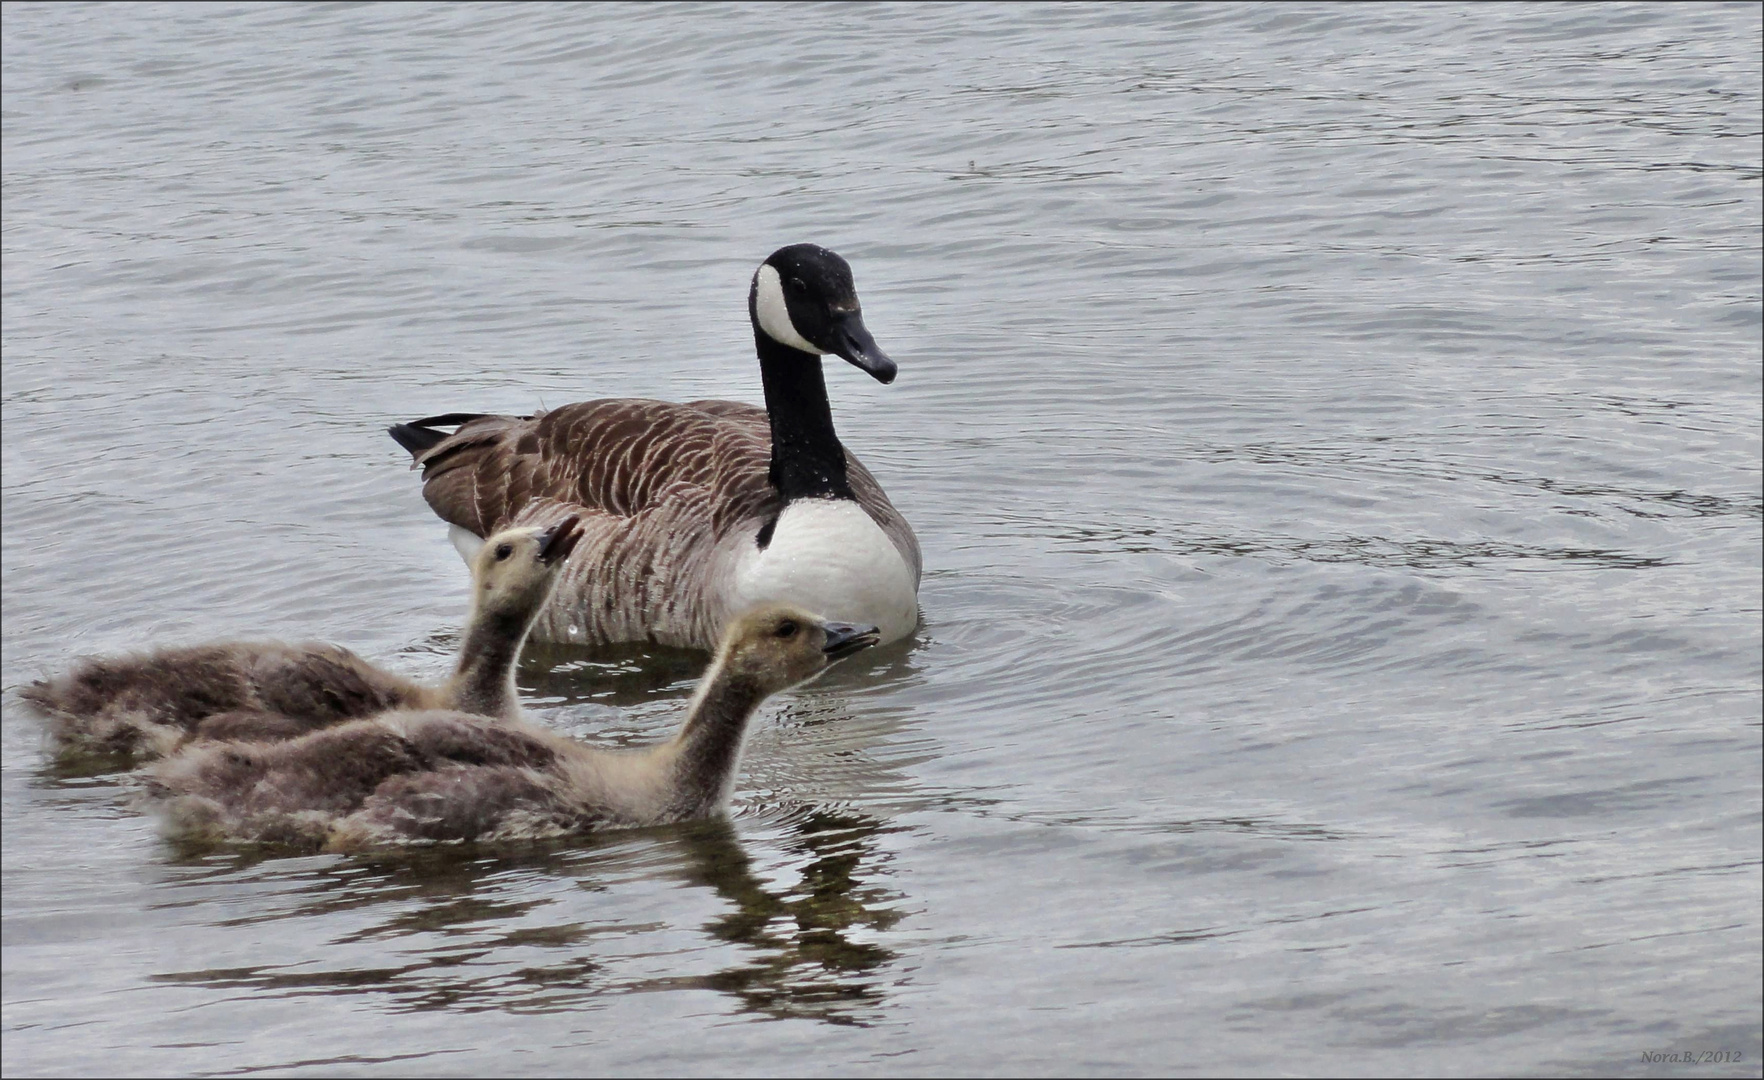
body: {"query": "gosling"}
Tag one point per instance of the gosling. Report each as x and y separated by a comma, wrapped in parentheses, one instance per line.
(414, 777)
(146, 705)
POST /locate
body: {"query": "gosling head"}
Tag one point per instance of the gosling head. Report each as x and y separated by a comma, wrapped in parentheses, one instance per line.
(514, 571)
(802, 296)
(777, 647)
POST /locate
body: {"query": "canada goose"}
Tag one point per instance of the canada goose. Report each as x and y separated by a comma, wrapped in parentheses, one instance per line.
(146, 704)
(404, 777)
(694, 512)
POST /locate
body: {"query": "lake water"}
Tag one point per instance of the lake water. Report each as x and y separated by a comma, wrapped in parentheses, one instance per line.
(1334, 433)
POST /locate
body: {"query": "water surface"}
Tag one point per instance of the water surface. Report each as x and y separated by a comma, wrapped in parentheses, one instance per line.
(1334, 434)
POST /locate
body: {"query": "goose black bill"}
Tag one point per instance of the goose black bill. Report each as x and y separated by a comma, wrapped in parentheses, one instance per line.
(852, 341)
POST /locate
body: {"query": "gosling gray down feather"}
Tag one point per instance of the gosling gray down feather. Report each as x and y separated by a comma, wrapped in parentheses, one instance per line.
(427, 776)
(145, 705)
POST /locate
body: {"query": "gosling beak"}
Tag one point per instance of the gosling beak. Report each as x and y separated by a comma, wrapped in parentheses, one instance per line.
(556, 543)
(843, 639)
(853, 342)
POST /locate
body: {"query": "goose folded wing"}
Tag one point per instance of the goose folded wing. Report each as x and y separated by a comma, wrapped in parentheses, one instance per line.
(612, 456)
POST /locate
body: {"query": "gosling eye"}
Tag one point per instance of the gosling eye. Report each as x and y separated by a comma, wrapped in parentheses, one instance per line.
(503, 551)
(786, 629)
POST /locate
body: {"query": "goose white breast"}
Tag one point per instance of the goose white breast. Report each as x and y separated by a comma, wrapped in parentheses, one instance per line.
(827, 555)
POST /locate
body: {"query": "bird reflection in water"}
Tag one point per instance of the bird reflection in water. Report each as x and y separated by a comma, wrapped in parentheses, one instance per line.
(808, 966)
(801, 961)
(457, 928)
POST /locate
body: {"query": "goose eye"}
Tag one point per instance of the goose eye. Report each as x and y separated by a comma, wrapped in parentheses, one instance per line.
(787, 629)
(798, 284)
(503, 551)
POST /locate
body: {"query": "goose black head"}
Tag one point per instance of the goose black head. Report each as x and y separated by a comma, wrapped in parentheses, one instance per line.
(803, 297)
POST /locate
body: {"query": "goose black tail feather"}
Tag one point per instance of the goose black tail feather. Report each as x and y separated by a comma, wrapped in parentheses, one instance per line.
(419, 436)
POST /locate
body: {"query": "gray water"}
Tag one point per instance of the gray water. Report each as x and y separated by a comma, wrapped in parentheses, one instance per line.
(1334, 433)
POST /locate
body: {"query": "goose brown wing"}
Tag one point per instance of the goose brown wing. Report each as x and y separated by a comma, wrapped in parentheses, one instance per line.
(616, 457)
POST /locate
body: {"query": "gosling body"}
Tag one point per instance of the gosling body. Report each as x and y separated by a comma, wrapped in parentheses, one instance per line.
(434, 776)
(145, 705)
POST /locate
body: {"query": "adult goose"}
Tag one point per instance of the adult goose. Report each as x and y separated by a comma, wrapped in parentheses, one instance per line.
(147, 704)
(405, 777)
(696, 511)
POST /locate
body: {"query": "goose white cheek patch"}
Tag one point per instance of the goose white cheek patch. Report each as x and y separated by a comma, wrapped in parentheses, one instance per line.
(774, 314)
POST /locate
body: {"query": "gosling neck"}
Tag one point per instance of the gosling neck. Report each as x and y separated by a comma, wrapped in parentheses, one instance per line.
(807, 460)
(483, 681)
(707, 751)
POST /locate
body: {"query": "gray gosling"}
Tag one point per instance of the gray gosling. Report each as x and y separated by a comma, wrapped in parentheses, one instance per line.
(412, 777)
(146, 705)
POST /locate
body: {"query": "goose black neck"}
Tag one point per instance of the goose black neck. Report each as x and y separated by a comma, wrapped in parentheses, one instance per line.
(807, 460)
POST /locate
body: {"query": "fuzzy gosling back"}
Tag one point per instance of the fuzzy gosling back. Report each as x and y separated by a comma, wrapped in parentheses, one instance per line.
(409, 777)
(147, 704)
